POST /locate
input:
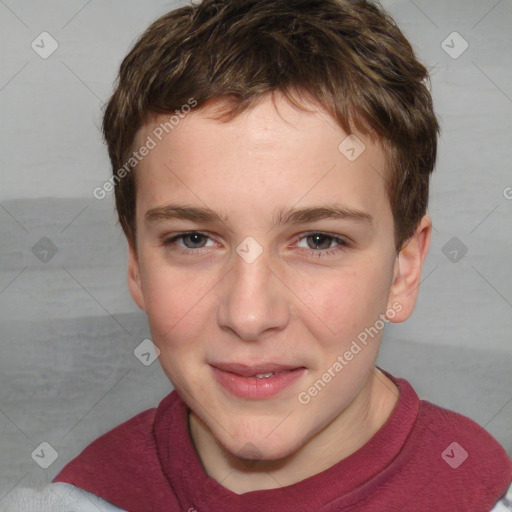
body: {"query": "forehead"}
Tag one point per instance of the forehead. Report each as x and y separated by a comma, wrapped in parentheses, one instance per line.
(271, 154)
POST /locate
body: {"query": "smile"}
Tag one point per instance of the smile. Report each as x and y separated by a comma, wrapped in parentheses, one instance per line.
(256, 382)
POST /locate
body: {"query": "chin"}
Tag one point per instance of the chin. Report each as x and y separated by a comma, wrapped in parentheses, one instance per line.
(260, 446)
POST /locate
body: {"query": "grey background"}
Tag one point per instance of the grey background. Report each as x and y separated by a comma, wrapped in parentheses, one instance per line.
(68, 326)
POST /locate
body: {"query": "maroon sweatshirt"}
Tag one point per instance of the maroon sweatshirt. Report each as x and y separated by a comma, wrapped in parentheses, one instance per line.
(424, 458)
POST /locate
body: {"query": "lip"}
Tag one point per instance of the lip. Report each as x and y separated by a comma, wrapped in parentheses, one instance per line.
(249, 370)
(239, 379)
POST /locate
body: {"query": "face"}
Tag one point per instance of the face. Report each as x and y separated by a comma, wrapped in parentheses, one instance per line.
(262, 249)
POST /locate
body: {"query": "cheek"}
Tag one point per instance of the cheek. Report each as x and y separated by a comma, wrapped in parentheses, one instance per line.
(346, 303)
(179, 308)
(177, 303)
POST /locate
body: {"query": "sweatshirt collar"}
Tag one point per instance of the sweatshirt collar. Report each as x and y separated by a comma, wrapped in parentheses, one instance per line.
(195, 489)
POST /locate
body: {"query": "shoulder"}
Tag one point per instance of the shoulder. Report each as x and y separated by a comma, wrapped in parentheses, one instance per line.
(505, 504)
(56, 497)
(469, 441)
(465, 459)
(124, 461)
(110, 450)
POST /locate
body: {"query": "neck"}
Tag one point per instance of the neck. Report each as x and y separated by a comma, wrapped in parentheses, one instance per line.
(345, 434)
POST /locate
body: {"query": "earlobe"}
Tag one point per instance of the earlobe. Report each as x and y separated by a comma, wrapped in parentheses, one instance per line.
(407, 272)
(134, 279)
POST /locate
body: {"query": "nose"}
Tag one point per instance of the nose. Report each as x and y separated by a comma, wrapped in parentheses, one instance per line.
(253, 300)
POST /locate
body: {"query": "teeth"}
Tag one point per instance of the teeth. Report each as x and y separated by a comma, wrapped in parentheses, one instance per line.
(264, 375)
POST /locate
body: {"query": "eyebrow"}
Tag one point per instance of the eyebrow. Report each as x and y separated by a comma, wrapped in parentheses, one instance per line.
(290, 216)
(183, 212)
(312, 214)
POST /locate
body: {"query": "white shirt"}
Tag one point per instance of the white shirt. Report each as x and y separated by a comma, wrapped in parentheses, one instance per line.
(55, 497)
(61, 497)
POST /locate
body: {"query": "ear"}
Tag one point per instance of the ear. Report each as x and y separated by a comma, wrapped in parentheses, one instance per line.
(407, 272)
(134, 280)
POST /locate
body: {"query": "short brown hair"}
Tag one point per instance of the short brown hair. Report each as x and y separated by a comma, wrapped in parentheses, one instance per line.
(347, 56)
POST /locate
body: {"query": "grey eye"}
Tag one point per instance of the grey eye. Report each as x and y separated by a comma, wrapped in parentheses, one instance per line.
(196, 240)
(319, 241)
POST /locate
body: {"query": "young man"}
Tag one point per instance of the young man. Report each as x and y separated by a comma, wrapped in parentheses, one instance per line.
(271, 168)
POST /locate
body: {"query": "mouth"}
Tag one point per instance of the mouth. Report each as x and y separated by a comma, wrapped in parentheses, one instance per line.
(256, 381)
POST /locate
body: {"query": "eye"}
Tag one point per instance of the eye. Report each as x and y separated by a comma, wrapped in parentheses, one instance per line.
(319, 241)
(190, 240)
(321, 244)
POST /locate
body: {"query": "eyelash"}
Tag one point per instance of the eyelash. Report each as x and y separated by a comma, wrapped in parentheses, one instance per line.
(316, 253)
(333, 251)
(168, 242)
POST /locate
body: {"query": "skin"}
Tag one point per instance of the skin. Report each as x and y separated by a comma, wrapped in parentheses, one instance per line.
(302, 301)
